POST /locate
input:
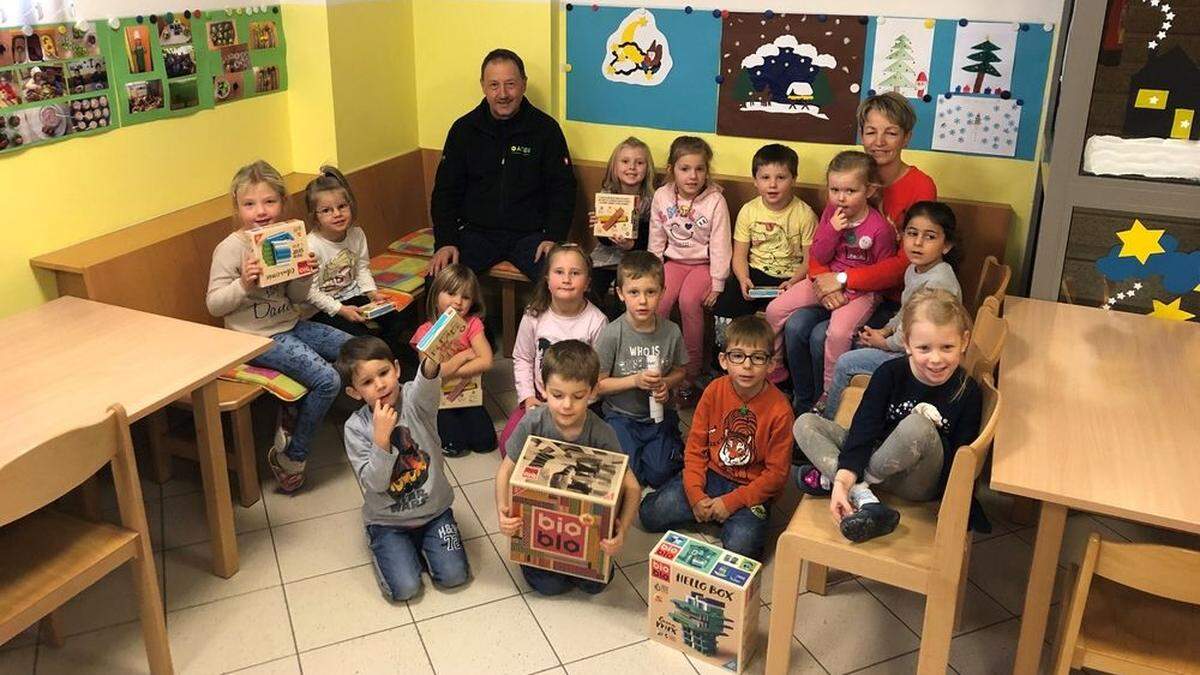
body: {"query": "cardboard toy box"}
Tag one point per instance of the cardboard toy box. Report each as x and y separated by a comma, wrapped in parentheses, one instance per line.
(282, 250)
(567, 498)
(614, 215)
(470, 396)
(704, 600)
(440, 342)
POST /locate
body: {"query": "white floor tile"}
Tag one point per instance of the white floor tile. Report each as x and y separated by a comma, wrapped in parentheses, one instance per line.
(189, 577)
(116, 650)
(469, 526)
(321, 545)
(482, 497)
(506, 401)
(639, 578)
(638, 545)
(185, 521)
(326, 490)
(501, 638)
(384, 653)
(989, 651)
(474, 467)
(288, 665)
(902, 665)
(643, 658)
(495, 412)
(108, 602)
(339, 606)
(835, 627)
(1000, 567)
(581, 625)
(979, 610)
(489, 582)
(17, 661)
(500, 377)
(151, 492)
(326, 448)
(800, 662)
(1144, 533)
(502, 544)
(232, 633)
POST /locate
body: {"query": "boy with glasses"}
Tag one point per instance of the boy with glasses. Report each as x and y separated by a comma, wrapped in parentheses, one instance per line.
(738, 451)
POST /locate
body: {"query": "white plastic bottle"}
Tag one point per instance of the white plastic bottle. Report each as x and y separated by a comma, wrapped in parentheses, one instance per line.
(656, 408)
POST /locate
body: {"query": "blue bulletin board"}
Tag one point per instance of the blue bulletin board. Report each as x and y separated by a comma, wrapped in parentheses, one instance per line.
(1020, 60)
(684, 98)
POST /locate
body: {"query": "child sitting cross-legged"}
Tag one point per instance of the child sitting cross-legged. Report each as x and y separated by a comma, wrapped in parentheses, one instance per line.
(738, 451)
(570, 370)
(641, 358)
(394, 448)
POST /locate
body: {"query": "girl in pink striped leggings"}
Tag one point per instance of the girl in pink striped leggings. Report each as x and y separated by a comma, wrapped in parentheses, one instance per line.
(689, 230)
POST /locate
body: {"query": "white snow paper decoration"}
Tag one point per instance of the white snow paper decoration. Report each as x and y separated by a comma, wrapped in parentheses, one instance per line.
(980, 125)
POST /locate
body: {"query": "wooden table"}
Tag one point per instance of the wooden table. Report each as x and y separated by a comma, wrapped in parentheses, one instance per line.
(63, 363)
(1102, 414)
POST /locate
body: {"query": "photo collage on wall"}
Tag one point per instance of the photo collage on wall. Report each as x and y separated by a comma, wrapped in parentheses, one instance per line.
(66, 80)
(181, 63)
(54, 82)
(977, 86)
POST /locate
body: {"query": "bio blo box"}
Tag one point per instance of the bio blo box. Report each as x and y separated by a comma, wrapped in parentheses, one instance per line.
(566, 496)
(704, 600)
(440, 342)
(282, 250)
(614, 215)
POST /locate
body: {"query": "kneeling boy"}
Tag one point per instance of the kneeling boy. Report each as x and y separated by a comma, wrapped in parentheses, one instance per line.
(570, 370)
(738, 451)
(396, 453)
(625, 346)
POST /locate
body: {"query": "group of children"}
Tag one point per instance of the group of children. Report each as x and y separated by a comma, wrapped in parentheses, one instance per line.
(613, 385)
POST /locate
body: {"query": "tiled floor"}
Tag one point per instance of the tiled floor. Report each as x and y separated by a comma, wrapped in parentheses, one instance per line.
(306, 598)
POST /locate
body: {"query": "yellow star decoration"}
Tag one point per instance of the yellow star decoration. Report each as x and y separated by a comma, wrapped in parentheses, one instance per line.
(1170, 311)
(1139, 242)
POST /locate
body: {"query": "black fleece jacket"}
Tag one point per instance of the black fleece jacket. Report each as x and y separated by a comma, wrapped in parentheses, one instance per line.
(512, 174)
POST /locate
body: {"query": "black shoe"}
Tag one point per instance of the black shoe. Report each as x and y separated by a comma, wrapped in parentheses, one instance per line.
(452, 451)
(808, 479)
(870, 521)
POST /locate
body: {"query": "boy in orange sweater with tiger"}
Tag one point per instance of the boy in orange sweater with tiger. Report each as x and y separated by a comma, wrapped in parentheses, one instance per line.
(738, 451)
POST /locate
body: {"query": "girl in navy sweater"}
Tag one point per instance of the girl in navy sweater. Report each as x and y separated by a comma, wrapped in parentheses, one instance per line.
(914, 415)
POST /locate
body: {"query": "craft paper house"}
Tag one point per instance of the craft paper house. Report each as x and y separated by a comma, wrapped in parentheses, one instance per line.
(282, 250)
(441, 341)
(566, 496)
(614, 216)
(704, 600)
(1164, 98)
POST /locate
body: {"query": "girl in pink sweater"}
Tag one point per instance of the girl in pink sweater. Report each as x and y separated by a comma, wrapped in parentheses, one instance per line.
(851, 233)
(689, 230)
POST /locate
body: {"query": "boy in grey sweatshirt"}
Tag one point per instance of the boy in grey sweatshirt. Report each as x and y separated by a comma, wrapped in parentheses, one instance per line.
(394, 448)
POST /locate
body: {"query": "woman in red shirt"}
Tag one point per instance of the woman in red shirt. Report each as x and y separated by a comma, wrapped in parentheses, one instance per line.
(885, 122)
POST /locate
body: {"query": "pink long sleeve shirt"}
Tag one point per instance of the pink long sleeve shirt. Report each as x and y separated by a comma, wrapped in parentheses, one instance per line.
(538, 332)
(702, 234)
(866, 243)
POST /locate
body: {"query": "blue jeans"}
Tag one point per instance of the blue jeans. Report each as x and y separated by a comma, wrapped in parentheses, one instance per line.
(852, 363)
(655, 449)
(546, 582)
(804, 342)
(305, 354)
(744, 532)
(401, 554)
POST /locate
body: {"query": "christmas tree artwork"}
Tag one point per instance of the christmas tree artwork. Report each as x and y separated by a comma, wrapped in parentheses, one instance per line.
(983, 56)
(901, 67)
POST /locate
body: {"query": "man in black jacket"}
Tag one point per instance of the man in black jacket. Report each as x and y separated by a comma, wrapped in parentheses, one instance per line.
(505, 188)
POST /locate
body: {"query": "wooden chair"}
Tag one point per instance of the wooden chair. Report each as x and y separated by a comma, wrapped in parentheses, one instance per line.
(928, 553)
(993, 282)
(1135, 609)
(983, 352)
(233, 400)
(509, 276)
(50, 557)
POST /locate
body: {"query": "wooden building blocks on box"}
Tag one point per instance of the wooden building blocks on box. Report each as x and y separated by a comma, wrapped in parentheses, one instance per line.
(567, 498)
(614, 215)
(704, 600)
(441, 341)
(282, 250)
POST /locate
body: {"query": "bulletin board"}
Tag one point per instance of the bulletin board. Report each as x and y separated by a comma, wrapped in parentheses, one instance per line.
(977, 86)
(60, 81)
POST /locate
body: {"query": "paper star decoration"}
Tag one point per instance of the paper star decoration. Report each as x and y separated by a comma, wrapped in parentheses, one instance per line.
(1140, 243)
(1170, 311)
(1137, 286)
(1166, 25)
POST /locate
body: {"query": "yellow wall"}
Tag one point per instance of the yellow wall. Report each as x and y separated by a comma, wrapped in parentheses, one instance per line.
(310, 80)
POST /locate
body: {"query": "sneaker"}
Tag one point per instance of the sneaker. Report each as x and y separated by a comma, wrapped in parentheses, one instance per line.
(289, 480)
(809, 480)
(872, 520)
